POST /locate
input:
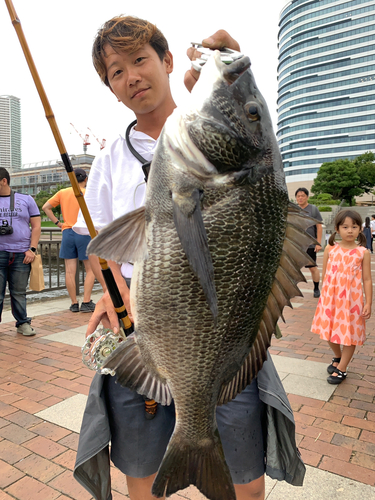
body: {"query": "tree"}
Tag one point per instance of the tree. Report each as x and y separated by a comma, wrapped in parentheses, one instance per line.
(44, 196)
(339, 178)
(365, 165)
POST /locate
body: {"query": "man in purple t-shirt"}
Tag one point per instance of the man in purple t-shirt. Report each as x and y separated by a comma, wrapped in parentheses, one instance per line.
(17, 249)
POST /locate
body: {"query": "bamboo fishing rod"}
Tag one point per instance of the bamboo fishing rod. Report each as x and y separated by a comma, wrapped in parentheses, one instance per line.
(107, 273)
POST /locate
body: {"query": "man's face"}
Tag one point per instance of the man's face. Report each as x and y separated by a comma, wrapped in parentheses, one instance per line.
(302, 199)
(139, 79)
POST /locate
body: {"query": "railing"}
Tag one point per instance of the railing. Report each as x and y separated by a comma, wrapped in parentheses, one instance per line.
(53, 267)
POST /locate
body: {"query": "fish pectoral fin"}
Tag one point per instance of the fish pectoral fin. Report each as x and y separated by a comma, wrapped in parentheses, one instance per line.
(200, 463)
(128, 364)
(190, 228)
(284, 288)
(123, 240)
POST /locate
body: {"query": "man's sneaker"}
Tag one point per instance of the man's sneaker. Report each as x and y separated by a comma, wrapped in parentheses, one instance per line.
(74, 308)
(26, 329)
(317, 293)
(87, 307)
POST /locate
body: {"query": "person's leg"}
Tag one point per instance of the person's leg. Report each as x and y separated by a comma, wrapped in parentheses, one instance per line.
(140, 487)
(256, 490)
(336, 348)
(89, 281)
(346, 356)
(70, 278)
(4, 261)
(18, 277)
(315, 274)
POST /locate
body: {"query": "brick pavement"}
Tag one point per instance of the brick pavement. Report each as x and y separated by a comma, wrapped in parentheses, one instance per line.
(37, 457)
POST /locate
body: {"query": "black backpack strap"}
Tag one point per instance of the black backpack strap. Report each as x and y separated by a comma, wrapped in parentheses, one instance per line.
(11, 204)
(145, 164)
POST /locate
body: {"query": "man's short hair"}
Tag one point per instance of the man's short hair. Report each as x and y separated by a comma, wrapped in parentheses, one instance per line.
(126, 33)
(4, 174)
(373, 216)
(304, 190)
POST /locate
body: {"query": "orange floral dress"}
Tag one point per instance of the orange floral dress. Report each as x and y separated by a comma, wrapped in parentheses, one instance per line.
(338, 317)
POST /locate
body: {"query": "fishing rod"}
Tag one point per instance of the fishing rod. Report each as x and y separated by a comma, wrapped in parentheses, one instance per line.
(107, 273)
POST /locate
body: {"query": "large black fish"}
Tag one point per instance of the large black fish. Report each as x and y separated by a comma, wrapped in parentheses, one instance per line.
(217, 251)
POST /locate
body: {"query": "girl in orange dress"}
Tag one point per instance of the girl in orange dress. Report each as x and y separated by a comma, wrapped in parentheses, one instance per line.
(340, 315)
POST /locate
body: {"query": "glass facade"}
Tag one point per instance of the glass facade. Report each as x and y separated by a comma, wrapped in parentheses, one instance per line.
(10, 132)
(326, 83)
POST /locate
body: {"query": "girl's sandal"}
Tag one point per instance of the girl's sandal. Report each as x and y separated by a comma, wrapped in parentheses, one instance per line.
(331, 368)
(338, 378)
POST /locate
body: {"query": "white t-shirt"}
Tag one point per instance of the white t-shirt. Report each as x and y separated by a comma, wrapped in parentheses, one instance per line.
(372, 225)
(116, 184)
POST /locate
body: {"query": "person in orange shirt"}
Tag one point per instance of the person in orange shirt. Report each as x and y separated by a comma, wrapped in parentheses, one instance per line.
(73, 245)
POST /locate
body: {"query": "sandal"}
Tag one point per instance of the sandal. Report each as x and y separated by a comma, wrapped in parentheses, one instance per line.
(331, 368)
(339, 377)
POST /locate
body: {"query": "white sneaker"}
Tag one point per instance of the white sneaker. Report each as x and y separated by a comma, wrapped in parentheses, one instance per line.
(26, 329)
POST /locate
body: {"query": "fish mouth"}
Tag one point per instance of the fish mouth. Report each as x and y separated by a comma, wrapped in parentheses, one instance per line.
(231, 72)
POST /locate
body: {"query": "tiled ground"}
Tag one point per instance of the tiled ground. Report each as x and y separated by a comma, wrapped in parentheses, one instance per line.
(37, 457)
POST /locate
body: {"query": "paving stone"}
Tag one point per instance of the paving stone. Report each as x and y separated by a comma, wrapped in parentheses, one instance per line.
(12, 453)
(8, 474)
(16, 434)
(28, 488)
(44, 447)
(50, 431)
(39, 468)
(65, 483)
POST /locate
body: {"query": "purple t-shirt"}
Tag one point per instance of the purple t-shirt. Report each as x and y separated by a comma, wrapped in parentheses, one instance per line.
(24, 208)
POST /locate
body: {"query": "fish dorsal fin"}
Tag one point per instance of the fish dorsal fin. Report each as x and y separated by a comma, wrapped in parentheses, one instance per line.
(284, 288)
(127, 362)
(190, 228)
(123, 240)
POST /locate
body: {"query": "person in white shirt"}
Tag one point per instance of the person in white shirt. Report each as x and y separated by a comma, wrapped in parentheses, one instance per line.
(132, 58)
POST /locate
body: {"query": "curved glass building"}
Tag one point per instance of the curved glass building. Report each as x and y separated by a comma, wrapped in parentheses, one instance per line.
(326, 84)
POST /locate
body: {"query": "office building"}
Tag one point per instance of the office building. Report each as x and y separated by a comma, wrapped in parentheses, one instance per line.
(10, 133)
(47, 175)
(326, 84)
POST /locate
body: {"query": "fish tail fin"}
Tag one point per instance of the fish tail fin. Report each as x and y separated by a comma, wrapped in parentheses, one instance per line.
(201, 464)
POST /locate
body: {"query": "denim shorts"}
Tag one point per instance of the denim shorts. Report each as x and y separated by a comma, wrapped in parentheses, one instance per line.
(138, 444)
(74, 245)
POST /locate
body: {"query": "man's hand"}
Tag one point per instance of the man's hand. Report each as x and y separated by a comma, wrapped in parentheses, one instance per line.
(29, 257)
(219, 40)
(317, 248)
(106, 314)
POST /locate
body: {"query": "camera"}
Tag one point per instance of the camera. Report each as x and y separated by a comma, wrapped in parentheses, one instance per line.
(6, 228)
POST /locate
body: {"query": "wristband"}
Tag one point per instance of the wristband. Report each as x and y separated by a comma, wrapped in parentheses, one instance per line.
(57, 222)
(33, 249)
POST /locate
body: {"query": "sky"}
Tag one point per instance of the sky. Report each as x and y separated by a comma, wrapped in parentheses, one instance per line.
(60, 36)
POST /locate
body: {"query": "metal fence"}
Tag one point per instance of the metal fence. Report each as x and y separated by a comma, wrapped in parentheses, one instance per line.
(53, 267)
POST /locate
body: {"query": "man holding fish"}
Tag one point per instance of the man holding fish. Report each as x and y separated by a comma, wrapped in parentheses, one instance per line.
(256, 428)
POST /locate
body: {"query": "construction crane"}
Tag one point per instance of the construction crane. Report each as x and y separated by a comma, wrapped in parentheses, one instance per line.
(102, 144)
(84, 139)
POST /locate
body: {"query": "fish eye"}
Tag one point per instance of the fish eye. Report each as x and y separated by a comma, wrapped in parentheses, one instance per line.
(251, 110)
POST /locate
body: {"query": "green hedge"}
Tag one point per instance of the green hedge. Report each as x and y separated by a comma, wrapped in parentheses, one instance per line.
(325, 209)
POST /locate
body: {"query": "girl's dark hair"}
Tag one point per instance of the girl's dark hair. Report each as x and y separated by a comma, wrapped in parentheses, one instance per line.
(367, 222)
(339, 221)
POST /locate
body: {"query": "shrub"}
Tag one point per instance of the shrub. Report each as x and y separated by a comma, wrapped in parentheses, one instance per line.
(325, 209)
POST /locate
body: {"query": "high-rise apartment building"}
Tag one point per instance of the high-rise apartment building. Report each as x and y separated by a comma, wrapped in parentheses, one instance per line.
(326, 84)
(10, 132)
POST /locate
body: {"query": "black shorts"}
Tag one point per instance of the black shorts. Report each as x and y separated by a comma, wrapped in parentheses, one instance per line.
(311, 253)
(138, 444)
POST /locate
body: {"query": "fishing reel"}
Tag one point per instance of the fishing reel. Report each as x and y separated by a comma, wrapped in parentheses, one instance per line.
(98, 346)
(227, 56)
